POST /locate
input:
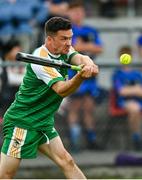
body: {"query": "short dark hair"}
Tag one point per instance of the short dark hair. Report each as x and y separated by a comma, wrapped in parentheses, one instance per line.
(54, 24)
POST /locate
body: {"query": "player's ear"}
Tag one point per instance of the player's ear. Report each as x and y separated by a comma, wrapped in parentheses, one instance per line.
(48, 38)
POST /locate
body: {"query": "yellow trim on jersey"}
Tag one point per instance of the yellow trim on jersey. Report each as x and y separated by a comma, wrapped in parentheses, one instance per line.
(17, 141)
(43, 52)
(49, 70)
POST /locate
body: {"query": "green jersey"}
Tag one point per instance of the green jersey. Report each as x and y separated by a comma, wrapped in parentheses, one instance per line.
(36, 103)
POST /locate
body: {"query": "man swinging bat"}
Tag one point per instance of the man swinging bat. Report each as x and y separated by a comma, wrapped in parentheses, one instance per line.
(29, 122)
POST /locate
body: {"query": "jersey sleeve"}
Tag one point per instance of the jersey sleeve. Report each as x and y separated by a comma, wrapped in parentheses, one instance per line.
(71, 53)
(47, 74)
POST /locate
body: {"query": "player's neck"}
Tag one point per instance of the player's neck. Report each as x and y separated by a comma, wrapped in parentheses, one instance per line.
(51, 52)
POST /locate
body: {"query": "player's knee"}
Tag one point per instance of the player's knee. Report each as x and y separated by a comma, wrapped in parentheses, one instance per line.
(66, 161)
(69, 163)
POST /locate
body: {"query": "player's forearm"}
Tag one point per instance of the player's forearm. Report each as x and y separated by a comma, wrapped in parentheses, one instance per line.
(82, 59)
(65, 88)
(86, 60)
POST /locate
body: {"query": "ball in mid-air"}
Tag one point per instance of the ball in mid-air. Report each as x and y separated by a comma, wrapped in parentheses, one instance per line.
(125, 59)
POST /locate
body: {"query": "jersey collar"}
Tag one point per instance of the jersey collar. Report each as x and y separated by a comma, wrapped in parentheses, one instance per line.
(50, 54)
